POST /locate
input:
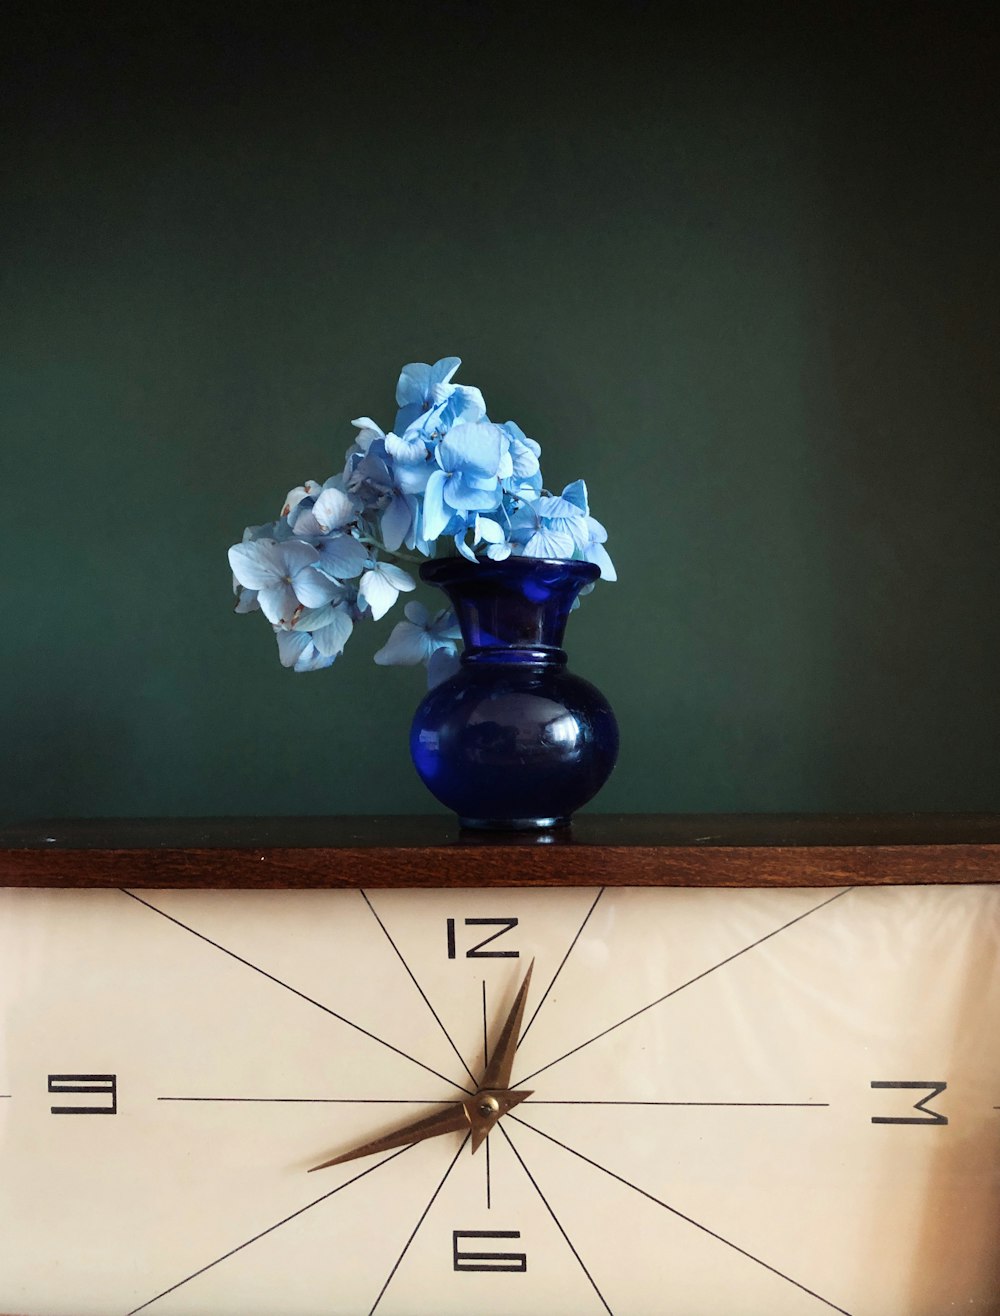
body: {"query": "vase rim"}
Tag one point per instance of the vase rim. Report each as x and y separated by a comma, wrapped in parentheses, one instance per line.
(438, 571)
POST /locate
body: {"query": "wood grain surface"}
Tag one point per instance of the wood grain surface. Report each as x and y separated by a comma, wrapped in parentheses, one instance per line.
(598, 850)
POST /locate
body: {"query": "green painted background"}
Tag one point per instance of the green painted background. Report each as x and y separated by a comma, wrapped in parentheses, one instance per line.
(741, 275)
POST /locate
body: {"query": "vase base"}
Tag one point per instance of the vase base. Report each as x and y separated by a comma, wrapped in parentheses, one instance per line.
(514, 824)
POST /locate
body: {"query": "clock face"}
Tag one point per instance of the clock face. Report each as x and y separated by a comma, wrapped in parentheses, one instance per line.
(780, 1101)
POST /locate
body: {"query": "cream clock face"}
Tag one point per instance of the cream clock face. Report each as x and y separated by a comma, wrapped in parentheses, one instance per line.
(782, 1102)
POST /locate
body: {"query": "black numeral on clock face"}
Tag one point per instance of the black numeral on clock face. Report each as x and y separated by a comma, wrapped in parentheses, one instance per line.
(106, 1084)
(926, 1116)
(512, 1261)
(476, 952)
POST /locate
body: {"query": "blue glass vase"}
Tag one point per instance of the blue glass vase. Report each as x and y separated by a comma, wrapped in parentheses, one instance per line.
(513, 740)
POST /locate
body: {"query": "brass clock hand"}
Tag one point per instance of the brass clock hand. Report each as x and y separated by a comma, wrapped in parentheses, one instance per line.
(478, 1113)
(486, 1107)
(452, 1119)
(495, 1097)
(502, 1060)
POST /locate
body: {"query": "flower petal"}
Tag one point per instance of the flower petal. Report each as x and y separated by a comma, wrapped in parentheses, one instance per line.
(489, 530)
(341, 557)
(313, 588)
(445, 628)
(463, 547)
(598, 554)
(330, 639)
(555, 506)
(407, 646)
(436, 513)
(441, 665)
(414, 384)
(278, 603)
(406, 451)
(467, 494)
(303, 523)
(258, 563)
(576, 493)
(296, 650)
(596, 532)
(366, 423)
(295, 496)
(464, 405)
(472, 448)
(413, 479)
(377, 593)
(549, 543)
(333, 510)
(416, 612)
(314, 619)
(396, 576)
(396, 521)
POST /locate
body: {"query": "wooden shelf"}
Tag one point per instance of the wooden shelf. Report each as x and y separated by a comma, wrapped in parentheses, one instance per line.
(599, 850)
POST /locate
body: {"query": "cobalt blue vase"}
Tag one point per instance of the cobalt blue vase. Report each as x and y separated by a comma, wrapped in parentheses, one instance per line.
(513, 741)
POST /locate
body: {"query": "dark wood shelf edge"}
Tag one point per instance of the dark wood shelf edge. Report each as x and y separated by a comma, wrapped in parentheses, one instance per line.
(503, 865)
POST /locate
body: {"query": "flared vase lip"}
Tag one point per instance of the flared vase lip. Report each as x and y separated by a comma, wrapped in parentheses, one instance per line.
(444, 570)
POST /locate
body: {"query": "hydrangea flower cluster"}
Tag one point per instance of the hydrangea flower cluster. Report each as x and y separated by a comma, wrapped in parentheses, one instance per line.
(445, 479)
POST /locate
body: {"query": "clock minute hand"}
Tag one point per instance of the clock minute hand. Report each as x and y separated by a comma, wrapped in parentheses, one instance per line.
(498, 1071)
(478, 1113)
(495, 1097)
(452, 1119)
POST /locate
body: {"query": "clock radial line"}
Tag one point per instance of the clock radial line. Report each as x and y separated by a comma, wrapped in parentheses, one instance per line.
(681, 1216)
(416, 1227)
(413, 979)
(486, 1036)
(783, 1105)
(562, 962)
(269, 1230)
(690, 982)
(294, 990)
(545, 1203)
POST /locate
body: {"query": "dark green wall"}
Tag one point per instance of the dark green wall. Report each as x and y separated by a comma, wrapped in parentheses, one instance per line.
(740, 273)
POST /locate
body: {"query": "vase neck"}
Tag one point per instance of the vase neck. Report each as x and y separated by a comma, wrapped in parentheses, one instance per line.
(513, 611)
(514, 655)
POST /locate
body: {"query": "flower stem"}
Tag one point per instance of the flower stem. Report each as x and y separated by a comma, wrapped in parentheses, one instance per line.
(392, 552)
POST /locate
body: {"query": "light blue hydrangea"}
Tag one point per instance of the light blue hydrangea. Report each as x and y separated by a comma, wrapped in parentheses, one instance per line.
(467, 477)
(429, 402)
(420, 637)
(284, 576)
(444, 477)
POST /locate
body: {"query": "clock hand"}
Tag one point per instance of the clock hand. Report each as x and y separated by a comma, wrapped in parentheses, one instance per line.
(453, 1119)
(495, 1097)
(502, 1060)
(478, 1113)
(486, 1107)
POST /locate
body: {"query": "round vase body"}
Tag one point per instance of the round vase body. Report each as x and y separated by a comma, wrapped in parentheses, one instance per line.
(513, 740)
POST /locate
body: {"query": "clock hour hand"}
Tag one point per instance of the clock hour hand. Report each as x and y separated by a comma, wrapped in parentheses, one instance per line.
(478, 1113)
(453, 1119)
